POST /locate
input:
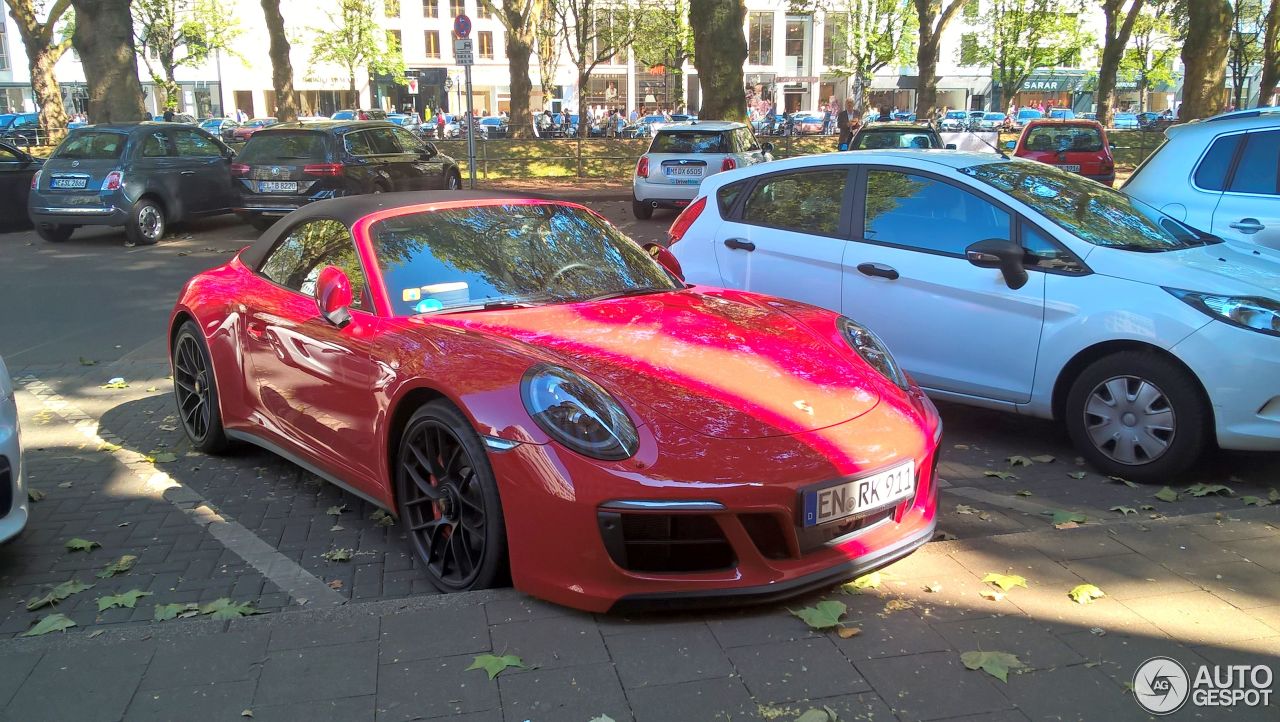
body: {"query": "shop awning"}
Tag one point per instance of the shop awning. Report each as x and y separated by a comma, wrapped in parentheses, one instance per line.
(894, 82)
(975, 84)
(1051, 83)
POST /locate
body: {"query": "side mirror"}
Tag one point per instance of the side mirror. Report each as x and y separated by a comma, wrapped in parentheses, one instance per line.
(1111, 145)
(951, 146)
(766, 147)
(665, 258)
(1011, 144)
(1004, 255)
(333, 296)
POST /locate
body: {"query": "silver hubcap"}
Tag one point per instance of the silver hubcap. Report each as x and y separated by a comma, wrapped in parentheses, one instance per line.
(150, 222)
(1130, 420)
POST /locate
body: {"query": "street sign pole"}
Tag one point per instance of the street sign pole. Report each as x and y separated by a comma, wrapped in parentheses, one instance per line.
(471, 130)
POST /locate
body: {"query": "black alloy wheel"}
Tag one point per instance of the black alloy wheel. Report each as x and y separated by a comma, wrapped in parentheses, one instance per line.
(448, 501)
(195, 392)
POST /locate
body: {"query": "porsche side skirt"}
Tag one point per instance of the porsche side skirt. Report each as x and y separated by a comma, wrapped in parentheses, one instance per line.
(294, 458)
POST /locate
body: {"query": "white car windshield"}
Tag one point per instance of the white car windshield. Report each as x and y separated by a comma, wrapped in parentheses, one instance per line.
(1090, 211)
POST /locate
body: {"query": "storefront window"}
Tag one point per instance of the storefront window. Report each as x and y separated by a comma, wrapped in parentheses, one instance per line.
(607, 90)
(760, 38)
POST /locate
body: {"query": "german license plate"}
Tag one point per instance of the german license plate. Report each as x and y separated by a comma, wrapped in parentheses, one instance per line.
(68, 182)
(277, 186)
(680, 170)
(873, 492)
(1070, 168)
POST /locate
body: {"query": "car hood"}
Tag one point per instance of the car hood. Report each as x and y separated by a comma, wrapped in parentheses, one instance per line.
(1223, 268)
(727, 366)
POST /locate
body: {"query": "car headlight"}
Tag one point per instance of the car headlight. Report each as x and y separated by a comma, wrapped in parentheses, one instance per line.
(1251, 312)
(872, 350)
(578, 413)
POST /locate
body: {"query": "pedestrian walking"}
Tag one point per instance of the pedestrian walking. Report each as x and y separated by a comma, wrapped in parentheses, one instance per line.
(440, 123)
(848, 121)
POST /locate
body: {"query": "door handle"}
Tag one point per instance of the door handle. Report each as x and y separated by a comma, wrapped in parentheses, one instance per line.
(188, 172)
(1247, 225)
(878, 269)
(740, 245)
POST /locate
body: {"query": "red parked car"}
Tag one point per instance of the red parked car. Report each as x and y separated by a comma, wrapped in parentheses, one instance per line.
(529, 390)
(1078, 146)
(244, 132)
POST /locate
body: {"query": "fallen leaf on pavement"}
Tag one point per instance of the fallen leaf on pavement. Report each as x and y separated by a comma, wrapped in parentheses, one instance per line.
(382, 518)
(1122, 480)
(1023, 492)
(224, 608)
(823, 615)
(495, 665)
(1254, 501)
(1207, 489)
(1124, 510)
(58, 593)
(826, 714)
(601, 718)
(1005, 581)
(1273, 495)
(1077, 474)
(127, 599)
(1166, 494)
(965, 509)
(1085, 593)
(52, 623)
(151, 389)
(115, 383)
(996, 664)
(108, 447)
(961, 447)
(1067, 525)
(34, 495)
(66, 485)
(335, 584)
(848, 632)
(119, 566)
(933, 588)
(1043, 459)
(161, 457)
(81, 545)
(165, 612)
(991, 595)
(1146, 507)
(87, 361)
(1001, 475)
(1017, 460)
(866, 581)
(338, 555)
(336, 527)
(336, 510)
(1061, 517)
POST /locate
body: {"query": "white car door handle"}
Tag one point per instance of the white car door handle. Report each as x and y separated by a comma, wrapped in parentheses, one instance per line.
(740, 245)
(879, 270)
(1247, 225)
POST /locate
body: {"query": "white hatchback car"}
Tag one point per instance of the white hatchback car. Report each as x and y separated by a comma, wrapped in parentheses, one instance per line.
(13, 489)
(1221, 175)
(1013, 285)
(682, 154)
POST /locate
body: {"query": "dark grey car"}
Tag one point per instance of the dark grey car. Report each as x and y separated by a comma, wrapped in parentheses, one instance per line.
(142, 176)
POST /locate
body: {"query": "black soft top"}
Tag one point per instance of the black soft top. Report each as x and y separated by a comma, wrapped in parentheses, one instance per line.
(349, 209)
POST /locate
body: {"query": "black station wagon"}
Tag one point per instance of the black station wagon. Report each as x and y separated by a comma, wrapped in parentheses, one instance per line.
(289, 165)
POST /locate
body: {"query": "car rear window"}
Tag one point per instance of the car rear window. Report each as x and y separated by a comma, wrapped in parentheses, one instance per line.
(689, 141)
(1075, 138)
(1212, 171)
(284, 147)
(882, 139)
(92, 145)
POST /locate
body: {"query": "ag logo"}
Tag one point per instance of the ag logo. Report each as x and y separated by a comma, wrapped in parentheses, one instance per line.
(1161, 685)
(275, 170)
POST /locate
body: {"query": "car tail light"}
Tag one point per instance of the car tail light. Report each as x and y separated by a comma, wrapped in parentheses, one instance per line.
(642, 168)
(323, 169)
(239, 170)
(35, 180)
(728, 164)
(684, 220)
(113, 181)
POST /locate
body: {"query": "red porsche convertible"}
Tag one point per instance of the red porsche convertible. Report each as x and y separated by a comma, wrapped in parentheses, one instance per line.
(532, 393)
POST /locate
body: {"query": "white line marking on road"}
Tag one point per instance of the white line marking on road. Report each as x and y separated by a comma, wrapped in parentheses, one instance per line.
(301, 585)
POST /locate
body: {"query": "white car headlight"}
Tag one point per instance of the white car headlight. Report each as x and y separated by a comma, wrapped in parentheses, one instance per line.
(1252, 312)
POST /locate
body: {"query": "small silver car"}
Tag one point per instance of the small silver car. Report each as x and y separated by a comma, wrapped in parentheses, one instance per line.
(1218, 175)
(13, 489)
(682, 154)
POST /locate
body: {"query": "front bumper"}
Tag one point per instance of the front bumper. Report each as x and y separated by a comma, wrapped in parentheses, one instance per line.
(1243, 384)
(741, 489)
(13, 499)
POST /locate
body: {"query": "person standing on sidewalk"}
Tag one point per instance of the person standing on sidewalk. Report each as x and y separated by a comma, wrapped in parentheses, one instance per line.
(848, 121)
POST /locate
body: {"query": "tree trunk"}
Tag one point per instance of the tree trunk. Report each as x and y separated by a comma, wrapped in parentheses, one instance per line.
(53, 116)
(1204, 55)
(1118, 29)
(104, 40)
(926, 74)
(281, 65)
(584, 121)
(519, 50)
(1270, 56)
(719, 52)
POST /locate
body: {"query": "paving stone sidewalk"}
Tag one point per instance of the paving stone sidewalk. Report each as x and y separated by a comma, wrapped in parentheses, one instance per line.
(1202, 589)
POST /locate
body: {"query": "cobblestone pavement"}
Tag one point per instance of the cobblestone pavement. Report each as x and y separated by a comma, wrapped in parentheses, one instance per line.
(363, 639)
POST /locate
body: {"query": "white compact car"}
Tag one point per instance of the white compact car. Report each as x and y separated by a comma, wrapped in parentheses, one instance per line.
(1013, 285)
(13, 489)
(1219, 175)
(681, 155)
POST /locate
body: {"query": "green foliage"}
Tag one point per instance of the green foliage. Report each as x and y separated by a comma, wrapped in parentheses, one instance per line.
(52, 623)
(1167, 495)
(1018, 36)
(1153, 48)
(495, 665)
(996, 664)
(1005, 581)
(127, 599)
(119, 566)
(353, 40)
(81, 545)
(58, 593)
(181, 33)
(223, 608)
(1085, 593)
(338, 555)
(1207, 489)
(867, 35)
(165, 612)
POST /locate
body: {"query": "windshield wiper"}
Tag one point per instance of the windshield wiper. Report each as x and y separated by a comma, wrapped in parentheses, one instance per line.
(638, 291)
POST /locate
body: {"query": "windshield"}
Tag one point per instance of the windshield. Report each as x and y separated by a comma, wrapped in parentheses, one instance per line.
(1073, 138)
(1090, 211)
(956, 114)
(282, 146)
(529, 253)
(1029, 114)
(260, 123)
(6, 120)
(214, 123)
(1126, 116)
(689, 141)
(882, 139)
(993, 116)
(92, 145)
